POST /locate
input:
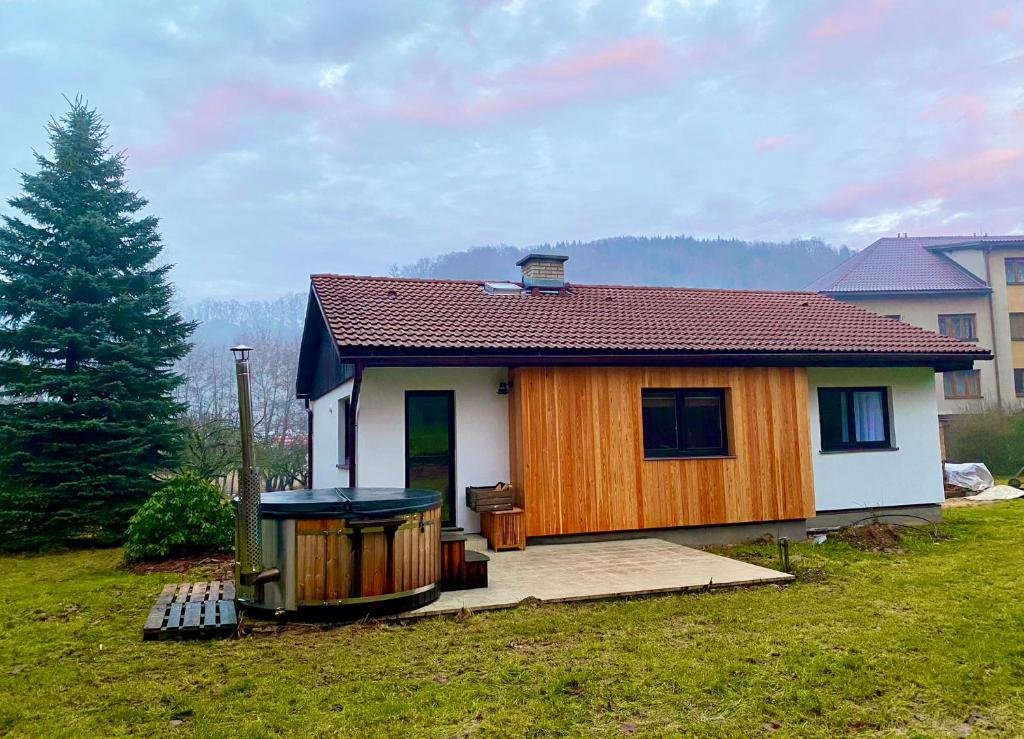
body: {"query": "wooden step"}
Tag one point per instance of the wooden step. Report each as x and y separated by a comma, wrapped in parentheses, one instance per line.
(476, 570)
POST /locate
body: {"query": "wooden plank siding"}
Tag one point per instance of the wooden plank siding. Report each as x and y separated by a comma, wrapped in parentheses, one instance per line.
(577, 460)
(325, 566)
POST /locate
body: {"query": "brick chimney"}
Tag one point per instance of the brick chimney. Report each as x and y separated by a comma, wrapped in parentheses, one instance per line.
(543, 271)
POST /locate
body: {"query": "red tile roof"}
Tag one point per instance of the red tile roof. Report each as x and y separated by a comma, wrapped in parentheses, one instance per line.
(913, 264)
(424, 316)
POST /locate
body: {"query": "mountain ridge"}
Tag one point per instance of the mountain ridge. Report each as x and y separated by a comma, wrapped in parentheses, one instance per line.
(668, 261)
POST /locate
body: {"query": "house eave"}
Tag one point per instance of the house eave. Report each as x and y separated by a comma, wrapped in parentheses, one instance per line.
(867, 294)
(410, 357)
(986, 245)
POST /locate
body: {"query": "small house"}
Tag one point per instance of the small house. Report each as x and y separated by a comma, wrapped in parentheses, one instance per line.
(716, 414)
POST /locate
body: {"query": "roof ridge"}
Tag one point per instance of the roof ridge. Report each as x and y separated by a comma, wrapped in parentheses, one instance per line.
(902, 264)
(434, 280)
(845, 267)
(445, 281)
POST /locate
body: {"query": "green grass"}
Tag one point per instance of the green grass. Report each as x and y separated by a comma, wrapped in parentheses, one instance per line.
(927, 642)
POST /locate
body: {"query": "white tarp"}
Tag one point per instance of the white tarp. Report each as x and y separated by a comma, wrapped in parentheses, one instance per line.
(971, 475)
(997, 492)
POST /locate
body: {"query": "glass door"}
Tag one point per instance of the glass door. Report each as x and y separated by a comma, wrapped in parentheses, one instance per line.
(430, 446)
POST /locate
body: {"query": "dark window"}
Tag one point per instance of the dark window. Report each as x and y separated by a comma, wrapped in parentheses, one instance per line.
(430, 445)
(684, 423)
(343, 450)
(1017, 326)
(854, 418)
(1018, 382)
(958, 325)
(962, 384)
(893, 316)
(1015, 271)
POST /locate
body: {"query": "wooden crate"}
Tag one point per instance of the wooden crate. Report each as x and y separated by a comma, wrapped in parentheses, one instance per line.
(504, 529)
(482, 499)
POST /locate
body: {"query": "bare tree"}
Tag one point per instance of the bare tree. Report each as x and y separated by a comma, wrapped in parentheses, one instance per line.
(273, 329)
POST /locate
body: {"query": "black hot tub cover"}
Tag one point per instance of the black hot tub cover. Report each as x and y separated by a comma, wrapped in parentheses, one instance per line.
(348, 502)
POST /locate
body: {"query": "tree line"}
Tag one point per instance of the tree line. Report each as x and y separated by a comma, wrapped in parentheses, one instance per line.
(273, 328)
(679, 260)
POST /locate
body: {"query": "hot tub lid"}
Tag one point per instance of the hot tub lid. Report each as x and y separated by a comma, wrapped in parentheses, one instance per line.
(348, 502)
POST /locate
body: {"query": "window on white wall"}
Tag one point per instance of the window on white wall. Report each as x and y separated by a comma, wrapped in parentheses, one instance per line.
(854, 418)
(343, 411)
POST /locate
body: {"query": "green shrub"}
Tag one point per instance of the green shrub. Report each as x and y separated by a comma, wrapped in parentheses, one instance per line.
(188, 514)
(994, 437)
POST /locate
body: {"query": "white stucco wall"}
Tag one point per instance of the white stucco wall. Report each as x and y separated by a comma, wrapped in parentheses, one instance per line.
(481, 427)
(911, 475)
(326, 473)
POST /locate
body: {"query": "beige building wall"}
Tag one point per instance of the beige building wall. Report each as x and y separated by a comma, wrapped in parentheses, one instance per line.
(973, 260)
(1006, 299)
(924, 311)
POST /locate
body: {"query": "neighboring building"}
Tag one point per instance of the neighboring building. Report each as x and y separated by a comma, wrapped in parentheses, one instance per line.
(615, 408)
(967, 287)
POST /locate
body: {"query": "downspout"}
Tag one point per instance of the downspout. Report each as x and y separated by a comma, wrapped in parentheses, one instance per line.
(992, 322)
(357, 383)
(309, 446)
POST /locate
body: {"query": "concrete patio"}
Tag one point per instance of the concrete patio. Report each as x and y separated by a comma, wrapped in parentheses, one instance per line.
(556, 573)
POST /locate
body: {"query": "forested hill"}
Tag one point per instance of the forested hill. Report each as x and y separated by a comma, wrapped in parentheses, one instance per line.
(667, 260)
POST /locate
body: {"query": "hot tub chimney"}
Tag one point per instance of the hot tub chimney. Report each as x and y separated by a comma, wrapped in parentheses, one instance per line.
(248, 546)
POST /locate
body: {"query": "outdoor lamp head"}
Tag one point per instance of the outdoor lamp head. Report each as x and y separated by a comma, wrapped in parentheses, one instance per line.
(241, 352)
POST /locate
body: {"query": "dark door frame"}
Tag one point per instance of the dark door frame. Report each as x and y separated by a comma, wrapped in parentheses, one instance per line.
(450, 394)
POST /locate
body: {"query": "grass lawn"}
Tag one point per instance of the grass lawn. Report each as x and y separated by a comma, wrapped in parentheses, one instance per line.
(925, 642)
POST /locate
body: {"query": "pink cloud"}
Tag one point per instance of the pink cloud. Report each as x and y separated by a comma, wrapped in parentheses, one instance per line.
(852, 17)
(965, 180)
(1000, 18)
(622, 68)
(771, 142)
(638, 54)
(216, 112)
(970, 108)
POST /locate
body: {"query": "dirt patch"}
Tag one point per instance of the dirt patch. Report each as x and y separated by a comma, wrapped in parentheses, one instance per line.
(876, 537)
(884, 537)
(208, 566)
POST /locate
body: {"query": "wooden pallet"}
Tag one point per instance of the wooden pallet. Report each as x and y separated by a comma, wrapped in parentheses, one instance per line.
(193, 610)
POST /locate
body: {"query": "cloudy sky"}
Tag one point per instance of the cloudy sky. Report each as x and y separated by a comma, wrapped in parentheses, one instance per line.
(278, 139)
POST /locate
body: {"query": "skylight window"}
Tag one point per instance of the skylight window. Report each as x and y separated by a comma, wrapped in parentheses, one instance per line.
(502, 288)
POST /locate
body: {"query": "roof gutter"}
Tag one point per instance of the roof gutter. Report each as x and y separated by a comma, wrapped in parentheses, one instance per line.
(941, 362)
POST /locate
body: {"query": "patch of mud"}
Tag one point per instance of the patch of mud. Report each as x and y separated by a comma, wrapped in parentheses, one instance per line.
(882, 537)
(207, 566)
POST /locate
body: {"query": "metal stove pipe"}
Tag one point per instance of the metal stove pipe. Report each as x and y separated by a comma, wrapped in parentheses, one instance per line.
(248, 544)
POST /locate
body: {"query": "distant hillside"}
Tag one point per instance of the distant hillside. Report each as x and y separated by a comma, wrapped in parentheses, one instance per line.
(224, 322)
(668, 260)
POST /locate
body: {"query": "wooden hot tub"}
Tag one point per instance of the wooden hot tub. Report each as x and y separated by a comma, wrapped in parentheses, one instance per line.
(348, 552)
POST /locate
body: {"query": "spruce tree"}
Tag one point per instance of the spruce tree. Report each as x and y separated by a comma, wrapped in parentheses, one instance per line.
(88, 338)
